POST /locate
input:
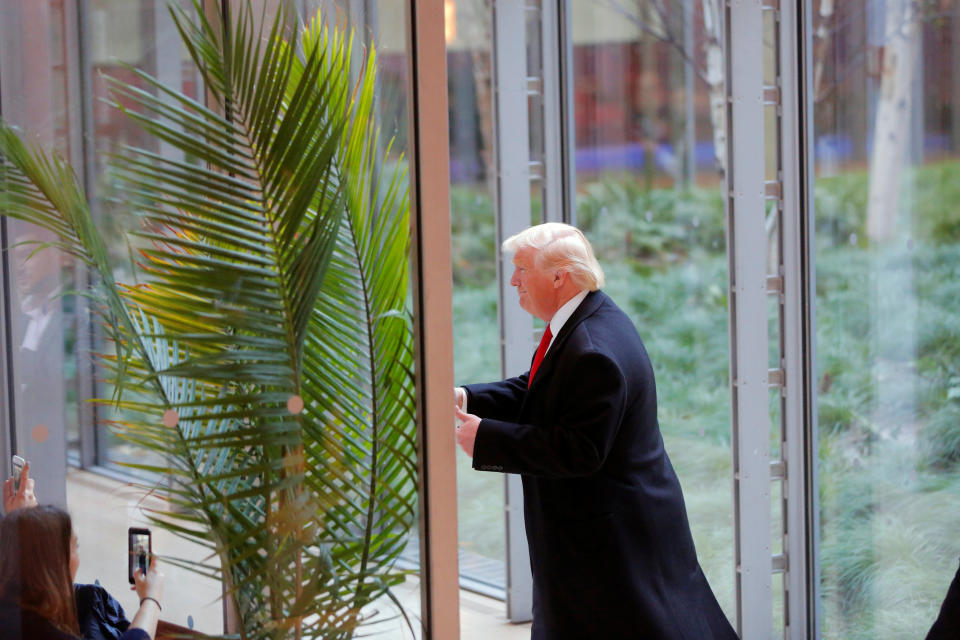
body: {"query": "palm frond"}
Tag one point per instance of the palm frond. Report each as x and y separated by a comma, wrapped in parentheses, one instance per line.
(365, 406)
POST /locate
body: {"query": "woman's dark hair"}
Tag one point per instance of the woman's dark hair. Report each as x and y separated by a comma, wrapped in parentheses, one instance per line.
(35, 564)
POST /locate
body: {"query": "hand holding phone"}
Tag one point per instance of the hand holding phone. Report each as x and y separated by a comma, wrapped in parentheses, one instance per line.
(18, 488)
(139, 551)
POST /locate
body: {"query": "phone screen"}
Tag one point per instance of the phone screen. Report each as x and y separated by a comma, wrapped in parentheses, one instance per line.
(18, 463)
(139, 551)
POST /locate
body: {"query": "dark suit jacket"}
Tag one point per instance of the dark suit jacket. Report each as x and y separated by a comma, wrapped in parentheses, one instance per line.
(947, 625)
(610, 545)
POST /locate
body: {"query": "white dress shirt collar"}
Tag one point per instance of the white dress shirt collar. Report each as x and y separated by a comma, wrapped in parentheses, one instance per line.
(563, 314)
(556, 323)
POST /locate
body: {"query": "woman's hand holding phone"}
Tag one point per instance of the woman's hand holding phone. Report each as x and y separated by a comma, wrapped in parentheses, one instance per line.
(19, 497)
(149, 585)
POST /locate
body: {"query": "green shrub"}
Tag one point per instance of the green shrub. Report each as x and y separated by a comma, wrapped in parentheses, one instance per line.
(935, 200)
(473, 231)
(840, 204)
(931, 197)
(657, 227)
(940, 437)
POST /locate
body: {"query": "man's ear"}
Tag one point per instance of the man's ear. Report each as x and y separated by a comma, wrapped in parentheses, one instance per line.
(559, 278)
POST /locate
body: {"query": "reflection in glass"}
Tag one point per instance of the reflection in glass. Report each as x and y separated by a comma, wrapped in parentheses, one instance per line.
(887, 145)
(140, 35)
(649, 197)
(37, 365)
(63, 102)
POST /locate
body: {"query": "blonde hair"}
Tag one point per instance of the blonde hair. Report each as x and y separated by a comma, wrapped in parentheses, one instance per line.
(563, 247)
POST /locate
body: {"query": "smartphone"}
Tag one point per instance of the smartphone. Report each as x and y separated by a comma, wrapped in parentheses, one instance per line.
(139, 551)
(18, 463)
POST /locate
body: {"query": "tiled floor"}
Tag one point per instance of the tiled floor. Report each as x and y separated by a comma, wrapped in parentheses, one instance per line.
(103, 508)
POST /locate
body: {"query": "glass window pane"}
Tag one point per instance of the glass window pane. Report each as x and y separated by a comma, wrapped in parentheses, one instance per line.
(49, 349)
(38, 362)
(480, 496)
(887, 168)
(142, 35)
(650, 198)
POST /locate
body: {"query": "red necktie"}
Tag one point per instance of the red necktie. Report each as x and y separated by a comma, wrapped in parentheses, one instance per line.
(541, 351)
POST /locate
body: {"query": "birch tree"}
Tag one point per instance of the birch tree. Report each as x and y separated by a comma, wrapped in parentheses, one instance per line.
(891, 138)
(663, 20)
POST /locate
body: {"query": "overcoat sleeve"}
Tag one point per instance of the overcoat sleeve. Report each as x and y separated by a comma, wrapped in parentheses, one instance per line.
(947, 624)
(572, 431)
(500, 400)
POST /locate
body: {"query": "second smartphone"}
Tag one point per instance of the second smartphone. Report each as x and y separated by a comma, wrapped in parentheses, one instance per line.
(139, 551)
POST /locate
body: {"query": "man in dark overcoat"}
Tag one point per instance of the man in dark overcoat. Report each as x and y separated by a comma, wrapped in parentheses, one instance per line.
(611, 552)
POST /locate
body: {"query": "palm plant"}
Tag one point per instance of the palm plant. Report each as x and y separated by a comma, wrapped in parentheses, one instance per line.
(268, 323)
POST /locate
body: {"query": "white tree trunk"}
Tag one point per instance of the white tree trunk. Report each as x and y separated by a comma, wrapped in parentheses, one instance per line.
(713, 48)
(891, 131)
(821, 43)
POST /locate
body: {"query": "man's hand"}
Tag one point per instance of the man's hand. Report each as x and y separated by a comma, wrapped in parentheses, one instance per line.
(467, 431)
(459, 395)
(25, 497)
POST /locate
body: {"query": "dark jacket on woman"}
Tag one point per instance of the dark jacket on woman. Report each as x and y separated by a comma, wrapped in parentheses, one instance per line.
(100, 615)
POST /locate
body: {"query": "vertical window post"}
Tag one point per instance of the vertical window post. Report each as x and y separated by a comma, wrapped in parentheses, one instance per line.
(433, 320)
(512, 152)
(748, 317)
(800, 404)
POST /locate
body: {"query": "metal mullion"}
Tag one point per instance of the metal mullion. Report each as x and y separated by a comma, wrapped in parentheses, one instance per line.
(512, 212)
(7, 431)
(567, 138)
(774, 96)
(746, 216)
(799, 448)
(555, 204)
(8, 435)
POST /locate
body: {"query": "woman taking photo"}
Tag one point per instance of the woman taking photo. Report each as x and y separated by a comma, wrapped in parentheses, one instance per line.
(38, 562)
